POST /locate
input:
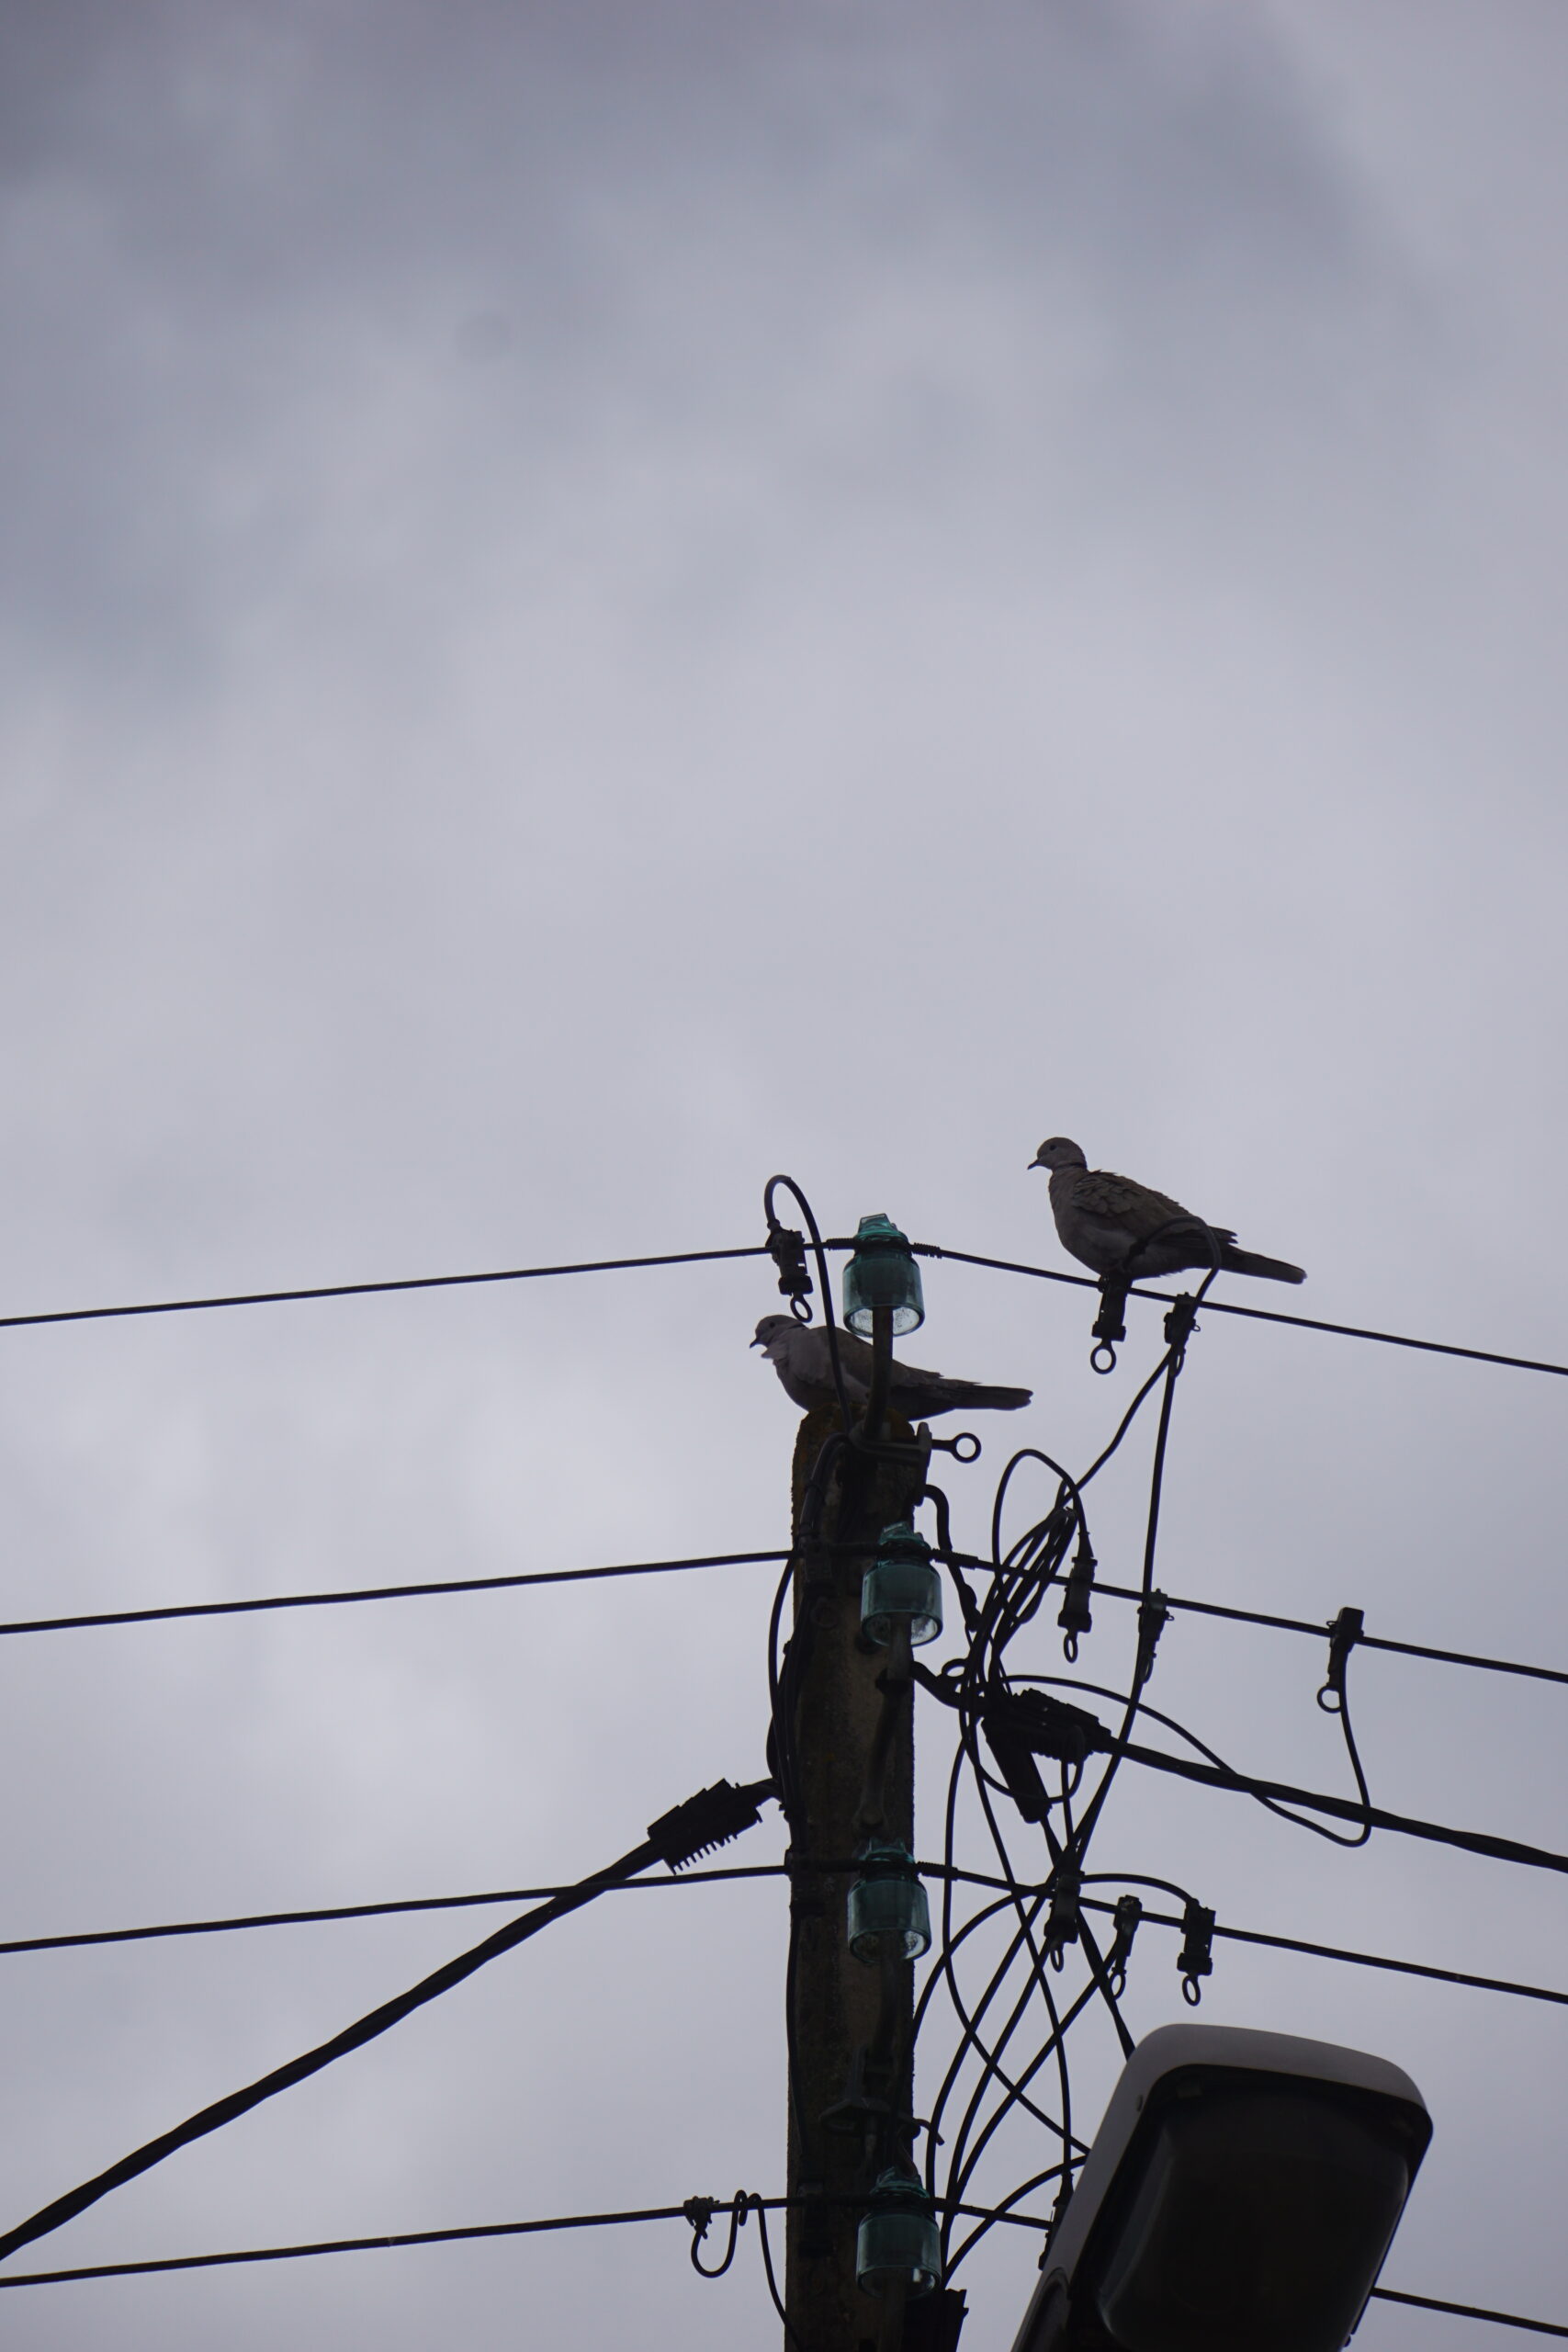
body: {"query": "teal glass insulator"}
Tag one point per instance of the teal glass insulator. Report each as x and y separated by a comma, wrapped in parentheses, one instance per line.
(887, 1900)
(902, 1581)
(899, 2241)
(883, 1272)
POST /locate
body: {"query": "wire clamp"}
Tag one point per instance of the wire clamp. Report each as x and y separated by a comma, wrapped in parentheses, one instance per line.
(1343, 1635)
(1076, 1616)
(1181, 1323)
(787, 1249)
(1155, 1614)
(1065, 1918)
(1196, 1958)
(711, 1819)
(1129, 1912)
(1109, 1326)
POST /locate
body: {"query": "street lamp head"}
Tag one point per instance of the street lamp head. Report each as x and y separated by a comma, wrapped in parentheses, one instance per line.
(1242, 2192)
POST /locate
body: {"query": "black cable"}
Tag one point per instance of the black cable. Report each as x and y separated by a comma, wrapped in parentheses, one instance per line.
(380, 1910)
(366, 1290)
(1100, 1691)
(384, 1592)
(700, 1257)
(1469, 1841)
(351, 2246)
(434, 2238)
(1463, 1977)
(819, 1249)
(665, 1842)
(1176, 1605)
(1470, 2311)
(1002, 2213)
(1252, 1314)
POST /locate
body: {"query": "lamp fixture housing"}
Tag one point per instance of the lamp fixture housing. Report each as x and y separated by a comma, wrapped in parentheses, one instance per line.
(1242, 2192)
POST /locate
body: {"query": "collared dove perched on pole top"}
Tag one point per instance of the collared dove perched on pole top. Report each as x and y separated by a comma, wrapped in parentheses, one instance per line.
(800, 1357)
(1102, 1217)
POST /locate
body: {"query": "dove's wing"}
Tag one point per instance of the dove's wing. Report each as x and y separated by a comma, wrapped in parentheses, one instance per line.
(854, 1360)
(1119, 1203)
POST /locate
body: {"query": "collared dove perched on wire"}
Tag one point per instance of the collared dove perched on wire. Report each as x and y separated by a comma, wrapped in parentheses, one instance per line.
(1101, 1217)
(798, 1353)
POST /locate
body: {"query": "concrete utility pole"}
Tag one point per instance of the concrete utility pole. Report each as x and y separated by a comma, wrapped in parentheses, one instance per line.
(853, 1746)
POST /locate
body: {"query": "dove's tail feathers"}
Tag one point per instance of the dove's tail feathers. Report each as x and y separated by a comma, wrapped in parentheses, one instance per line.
(972, 1396)
(1247, 1261)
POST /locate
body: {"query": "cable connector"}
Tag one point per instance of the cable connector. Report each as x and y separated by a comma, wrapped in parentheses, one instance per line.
(1076, 1616)
(1154, 1616)
(788, 1250)
(1196, 1958)
(1129, 1913)
(1020, 1725)
(1109, 1326)
(709, 1819)
(1343, 1635)
(1181, 1323)
(1065, 1917)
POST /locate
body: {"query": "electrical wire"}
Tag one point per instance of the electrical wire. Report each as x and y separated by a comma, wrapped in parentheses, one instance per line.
(368, 1290)
(702, 1257)
(436, 2237)
(1180, 1605)
(383, 1910)
(1470, 2311)
(384, 1592)
(1252, 1314)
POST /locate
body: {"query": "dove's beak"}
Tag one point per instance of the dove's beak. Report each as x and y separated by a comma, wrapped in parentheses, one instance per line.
(756, 1343)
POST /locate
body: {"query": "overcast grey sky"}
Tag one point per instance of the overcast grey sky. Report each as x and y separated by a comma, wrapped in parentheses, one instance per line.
(598, 600)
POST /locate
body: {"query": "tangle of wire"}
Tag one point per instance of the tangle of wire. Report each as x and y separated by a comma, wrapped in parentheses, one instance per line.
(1000, 2052)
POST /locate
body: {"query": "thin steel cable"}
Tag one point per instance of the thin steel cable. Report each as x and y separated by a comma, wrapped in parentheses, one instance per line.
(756, 1249)
(1252, 1314)
(437, 2237)
(1178, 1604)
(368, 1290)
(382, 1910)
(383, 1592)
(1470, 2311)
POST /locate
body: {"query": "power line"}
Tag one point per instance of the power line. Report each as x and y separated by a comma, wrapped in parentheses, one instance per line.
(1252, 1314)
(1176, 1603)
(701, 1257)
(368, 1290)
(1221, 1776)
(1340, 1952)
(380, 1593)
(377, 1910)
(1320, 1633)
(440, 2237)
(1459, 1977)
(1470, 2311)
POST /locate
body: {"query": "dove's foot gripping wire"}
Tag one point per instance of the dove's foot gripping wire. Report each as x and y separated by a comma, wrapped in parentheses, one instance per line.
(1109, 1326)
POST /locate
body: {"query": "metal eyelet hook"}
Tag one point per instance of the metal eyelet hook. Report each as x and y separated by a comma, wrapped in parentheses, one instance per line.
(1343, 1634)
(1109, 1325)
(956, 1446)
